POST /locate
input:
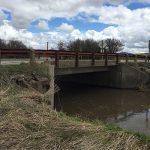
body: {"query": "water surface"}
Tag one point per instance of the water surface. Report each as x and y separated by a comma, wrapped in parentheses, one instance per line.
(128, 109)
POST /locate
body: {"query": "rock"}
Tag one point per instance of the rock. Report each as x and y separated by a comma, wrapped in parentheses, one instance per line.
(39, 83)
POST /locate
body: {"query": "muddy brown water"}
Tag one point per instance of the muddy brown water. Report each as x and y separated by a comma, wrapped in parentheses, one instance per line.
(128, 109)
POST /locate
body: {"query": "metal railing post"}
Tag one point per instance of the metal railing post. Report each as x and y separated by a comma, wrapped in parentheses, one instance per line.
(0, 56)
(56, 59)
(106, 59)
(135, 58)
(127, 58)
(117, 59)
(77, 59)
(148, 57)
(93, 59)
(145, 59)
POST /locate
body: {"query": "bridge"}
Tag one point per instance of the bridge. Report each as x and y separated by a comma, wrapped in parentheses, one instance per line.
(103, 69)
(70, 62)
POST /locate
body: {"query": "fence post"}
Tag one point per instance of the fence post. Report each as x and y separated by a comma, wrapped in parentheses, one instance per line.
(32, 56)
(52, 88)
(93, 59)
(106, 59)
(77, 59)
(56, 59)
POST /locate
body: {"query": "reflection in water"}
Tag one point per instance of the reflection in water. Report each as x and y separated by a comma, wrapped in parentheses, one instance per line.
(128, 109)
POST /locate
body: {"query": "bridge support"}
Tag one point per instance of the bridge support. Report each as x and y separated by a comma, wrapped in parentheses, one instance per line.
(121, 76)
(52, 90)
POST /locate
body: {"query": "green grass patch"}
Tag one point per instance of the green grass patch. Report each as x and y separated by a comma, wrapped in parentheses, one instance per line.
(142, 137)
(26, 69)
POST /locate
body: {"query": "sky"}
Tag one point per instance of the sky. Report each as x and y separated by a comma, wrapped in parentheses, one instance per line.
(36, 22)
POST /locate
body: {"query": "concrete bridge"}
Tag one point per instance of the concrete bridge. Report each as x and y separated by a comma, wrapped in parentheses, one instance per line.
(104, 69)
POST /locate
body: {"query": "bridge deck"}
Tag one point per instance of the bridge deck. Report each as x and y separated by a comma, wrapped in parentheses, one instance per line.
(70, 62)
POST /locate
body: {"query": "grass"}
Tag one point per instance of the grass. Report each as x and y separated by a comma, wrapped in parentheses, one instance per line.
(28, 122)
(9, 71)
(25, 68)
(142, 137)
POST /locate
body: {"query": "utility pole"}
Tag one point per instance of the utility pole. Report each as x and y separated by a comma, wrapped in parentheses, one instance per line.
(47, 53)
(149, 46)
(0, 56)
(102, 46)
(47, 46)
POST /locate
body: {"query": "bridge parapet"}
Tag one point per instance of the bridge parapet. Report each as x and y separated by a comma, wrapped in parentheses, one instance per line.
(70, 59)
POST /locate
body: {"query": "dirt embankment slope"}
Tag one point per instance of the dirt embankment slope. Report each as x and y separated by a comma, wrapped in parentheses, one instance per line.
(28, 122)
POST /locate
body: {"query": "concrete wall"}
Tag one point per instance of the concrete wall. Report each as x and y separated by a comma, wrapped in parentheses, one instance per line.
(121, 76)
(132, 77)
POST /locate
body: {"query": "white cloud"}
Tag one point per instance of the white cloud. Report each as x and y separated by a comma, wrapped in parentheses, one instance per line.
(2, 16)
(66, 27)
(43, 25)
(25, 11)
(130, 26)
(8, 32)
(35, 40)
(38, 40)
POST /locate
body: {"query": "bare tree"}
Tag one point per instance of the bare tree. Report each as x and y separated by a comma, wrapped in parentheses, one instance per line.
(2, 44)
(113, 45)
(12, 44)
(74, 45)
(88, 45)
(61, 46)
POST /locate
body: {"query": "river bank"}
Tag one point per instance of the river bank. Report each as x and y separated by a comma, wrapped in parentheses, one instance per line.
(28, 122)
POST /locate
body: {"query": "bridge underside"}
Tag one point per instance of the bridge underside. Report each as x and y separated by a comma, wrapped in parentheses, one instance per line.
(81, 70)
(121, 76)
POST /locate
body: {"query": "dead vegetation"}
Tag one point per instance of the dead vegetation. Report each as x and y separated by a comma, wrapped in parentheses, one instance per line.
(28, 122)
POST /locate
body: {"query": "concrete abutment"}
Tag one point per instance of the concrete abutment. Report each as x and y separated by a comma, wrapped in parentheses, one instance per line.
(120, 76)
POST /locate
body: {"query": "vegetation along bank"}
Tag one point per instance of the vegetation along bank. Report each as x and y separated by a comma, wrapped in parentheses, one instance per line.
(28, 122)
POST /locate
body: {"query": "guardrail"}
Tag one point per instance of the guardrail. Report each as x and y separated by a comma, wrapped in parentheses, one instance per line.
(75, 59)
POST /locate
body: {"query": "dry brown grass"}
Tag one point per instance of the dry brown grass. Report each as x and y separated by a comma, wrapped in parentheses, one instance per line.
(27, 122)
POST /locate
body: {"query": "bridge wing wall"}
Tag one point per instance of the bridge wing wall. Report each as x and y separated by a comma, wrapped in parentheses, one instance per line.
(121, 76)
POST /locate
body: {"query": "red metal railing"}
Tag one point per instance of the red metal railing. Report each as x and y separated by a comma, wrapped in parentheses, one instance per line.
(76, 56)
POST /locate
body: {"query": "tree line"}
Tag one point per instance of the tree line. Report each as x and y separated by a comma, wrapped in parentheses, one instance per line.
(12, 44)
(90, 45)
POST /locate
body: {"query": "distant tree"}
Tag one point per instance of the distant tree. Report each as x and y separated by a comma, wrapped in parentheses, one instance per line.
(75, 45)
(88, 45)
(2, 44)
(113, 45)
(61, 46)
(91, 46)
(12, 44)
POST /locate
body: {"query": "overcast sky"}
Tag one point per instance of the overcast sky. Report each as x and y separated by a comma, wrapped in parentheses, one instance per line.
(37, 21)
